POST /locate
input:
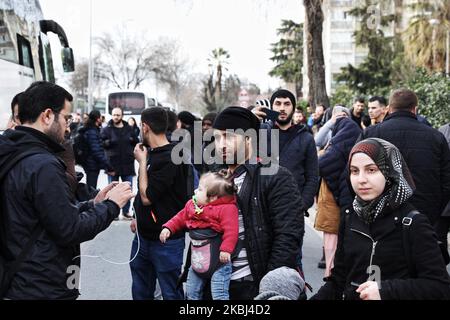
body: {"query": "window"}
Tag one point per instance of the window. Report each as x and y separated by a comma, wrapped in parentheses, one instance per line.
(132, 103)
(45, 59)
(25, 56)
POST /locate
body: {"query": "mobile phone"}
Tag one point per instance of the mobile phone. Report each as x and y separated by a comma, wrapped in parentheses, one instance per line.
(270, 114)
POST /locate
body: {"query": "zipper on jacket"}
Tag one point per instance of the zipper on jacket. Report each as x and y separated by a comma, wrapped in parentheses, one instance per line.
(374, 246)
(258, 215)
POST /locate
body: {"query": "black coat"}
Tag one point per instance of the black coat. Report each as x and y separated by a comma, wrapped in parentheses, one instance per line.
(427, 155)
(356, 249)
(35, 193)
(119, 145)
(273, 219)
(96, 158)
(333, 163)
(299, 156)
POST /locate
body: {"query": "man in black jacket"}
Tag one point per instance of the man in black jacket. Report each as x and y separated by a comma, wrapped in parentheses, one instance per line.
(119, 140)
(297, 150)
(270, 205)
(426, 153)
(36, 200)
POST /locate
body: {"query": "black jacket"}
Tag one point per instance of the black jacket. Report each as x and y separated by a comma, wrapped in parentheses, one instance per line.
(299, 156)
(96, 159)
(333, 163)
(35, 193)
(356, 249)
(119, 145)
(273, 219)
(427, 155)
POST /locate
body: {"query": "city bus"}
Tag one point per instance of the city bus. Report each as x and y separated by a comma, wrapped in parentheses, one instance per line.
(130, 101)
(25, 53)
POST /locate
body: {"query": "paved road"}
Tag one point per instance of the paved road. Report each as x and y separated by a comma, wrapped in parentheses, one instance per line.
(111, 279)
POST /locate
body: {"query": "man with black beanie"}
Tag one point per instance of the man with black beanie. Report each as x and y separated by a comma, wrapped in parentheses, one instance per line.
(297, 151)
(270, 216)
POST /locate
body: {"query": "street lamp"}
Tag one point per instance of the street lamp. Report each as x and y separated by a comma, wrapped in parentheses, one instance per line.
(91, 66)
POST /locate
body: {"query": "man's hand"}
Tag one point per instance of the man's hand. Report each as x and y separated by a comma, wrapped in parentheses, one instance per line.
(257, 111)
(101, 196)
(369, 291)
(338, 115)
(140, 153)
(225, 257)
(133, 226)
(121, 194)
(164, 235)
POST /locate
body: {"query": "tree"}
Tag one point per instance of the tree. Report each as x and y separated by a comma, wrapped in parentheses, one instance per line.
(374, 74)
(288, 54)
(213, 86)
(433, 93)
(172, 69)
(127, 60)
(314, 49)
(425, 44)
(218, 59)
(79, 83)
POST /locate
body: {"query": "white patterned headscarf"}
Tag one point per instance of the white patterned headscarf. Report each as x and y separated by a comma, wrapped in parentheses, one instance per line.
(399, 183)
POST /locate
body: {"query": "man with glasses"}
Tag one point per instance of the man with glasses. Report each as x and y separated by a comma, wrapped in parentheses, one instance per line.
(41, 225)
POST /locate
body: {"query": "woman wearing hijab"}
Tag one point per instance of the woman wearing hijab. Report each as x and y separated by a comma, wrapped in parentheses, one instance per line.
(371, 261)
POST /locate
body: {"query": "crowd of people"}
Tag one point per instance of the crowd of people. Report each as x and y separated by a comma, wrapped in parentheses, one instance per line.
(380, 183)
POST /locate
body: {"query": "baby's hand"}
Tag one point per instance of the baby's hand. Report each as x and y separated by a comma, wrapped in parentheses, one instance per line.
(164, 235)
(225, 257)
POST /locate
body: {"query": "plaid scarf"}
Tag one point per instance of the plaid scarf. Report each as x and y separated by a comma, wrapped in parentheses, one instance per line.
(399, 183)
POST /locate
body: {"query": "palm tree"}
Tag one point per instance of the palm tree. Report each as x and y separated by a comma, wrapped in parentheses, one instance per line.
(218, 59)
(316, 64)
(425, 43)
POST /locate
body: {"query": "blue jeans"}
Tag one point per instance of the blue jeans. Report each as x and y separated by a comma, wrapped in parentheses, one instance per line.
(156, 261)
(126, 208)
(220, 283)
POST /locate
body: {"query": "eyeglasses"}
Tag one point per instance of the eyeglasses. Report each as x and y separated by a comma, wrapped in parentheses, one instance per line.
(67, 117)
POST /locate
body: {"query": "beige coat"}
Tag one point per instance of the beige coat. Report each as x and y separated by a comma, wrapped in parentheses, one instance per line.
(328, 212)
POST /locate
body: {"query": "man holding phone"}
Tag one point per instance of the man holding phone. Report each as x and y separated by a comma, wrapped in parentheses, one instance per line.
(296, 145)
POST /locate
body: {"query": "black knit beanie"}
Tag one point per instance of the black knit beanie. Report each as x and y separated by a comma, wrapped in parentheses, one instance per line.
(282, 93)
(234, 118)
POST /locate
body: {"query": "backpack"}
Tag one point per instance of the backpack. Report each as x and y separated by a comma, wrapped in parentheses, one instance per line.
(406, 225)
(9, 268)
(205, 251)
(80, 148)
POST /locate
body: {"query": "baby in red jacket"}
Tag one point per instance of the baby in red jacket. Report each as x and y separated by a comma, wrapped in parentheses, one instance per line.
(213, 207)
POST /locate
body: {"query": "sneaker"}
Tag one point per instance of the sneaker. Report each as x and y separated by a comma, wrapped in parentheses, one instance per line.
(127, 216)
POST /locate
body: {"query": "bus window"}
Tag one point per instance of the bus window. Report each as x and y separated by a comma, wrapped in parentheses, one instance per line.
(132, 103)
(7, 50)
(45, 57)
(25, 57)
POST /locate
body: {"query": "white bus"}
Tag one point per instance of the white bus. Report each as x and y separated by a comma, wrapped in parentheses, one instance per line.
(25, 53)
(131, 102)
